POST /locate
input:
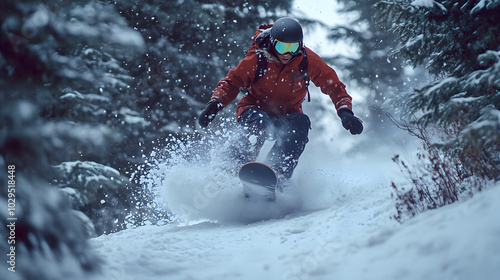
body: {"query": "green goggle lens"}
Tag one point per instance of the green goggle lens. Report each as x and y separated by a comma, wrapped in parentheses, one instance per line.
(284, 48)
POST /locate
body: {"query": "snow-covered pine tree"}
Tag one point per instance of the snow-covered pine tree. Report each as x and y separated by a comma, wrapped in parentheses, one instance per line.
(97, 190)
(458, 43)
(48, 238)
(82, 47)
(58, 85)
(371, 67)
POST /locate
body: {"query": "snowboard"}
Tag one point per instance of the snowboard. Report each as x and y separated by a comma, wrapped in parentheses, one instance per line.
(259, 181)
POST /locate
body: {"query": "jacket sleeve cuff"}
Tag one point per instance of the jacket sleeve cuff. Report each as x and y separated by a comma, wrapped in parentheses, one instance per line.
(220, 105)
(344, 109)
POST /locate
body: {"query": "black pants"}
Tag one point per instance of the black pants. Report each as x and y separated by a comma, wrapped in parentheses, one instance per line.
(289, 132)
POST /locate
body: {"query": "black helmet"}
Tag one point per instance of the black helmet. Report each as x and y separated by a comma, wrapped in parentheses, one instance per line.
(287, 30)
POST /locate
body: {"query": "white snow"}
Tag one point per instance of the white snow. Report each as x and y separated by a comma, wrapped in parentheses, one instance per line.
(76, 96)
(488, 4)
(36, 21)
(132, 117)
(428, 4)
(415, 40)
(423, 3)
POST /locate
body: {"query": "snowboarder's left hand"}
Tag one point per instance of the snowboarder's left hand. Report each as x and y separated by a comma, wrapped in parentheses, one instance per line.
(351, 122)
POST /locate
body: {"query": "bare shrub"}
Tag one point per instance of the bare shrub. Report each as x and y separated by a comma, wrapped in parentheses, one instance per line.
(439, 176)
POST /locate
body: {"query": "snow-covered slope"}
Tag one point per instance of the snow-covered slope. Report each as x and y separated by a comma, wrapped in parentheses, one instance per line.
(333, 223)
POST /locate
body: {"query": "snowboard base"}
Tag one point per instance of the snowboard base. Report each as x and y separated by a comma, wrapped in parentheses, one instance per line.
(259, 181)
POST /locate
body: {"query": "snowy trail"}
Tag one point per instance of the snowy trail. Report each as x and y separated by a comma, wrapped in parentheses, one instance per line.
(293, 247)
(353, 241)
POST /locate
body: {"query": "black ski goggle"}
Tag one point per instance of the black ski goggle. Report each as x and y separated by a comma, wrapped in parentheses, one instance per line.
(284, 48)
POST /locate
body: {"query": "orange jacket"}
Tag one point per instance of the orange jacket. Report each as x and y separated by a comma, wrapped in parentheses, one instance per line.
(274, 92)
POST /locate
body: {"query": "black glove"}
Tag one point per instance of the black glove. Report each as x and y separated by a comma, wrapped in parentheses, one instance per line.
(209, 112)
(351, 122)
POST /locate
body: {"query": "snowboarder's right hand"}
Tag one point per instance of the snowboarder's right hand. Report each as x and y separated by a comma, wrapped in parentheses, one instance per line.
(209, 112)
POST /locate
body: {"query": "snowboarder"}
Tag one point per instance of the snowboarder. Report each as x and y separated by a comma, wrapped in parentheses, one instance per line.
(275, 73)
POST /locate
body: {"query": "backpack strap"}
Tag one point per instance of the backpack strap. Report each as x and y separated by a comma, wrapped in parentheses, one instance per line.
(303, 73)
(262, 41)
(303, 65)
(261, 67)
